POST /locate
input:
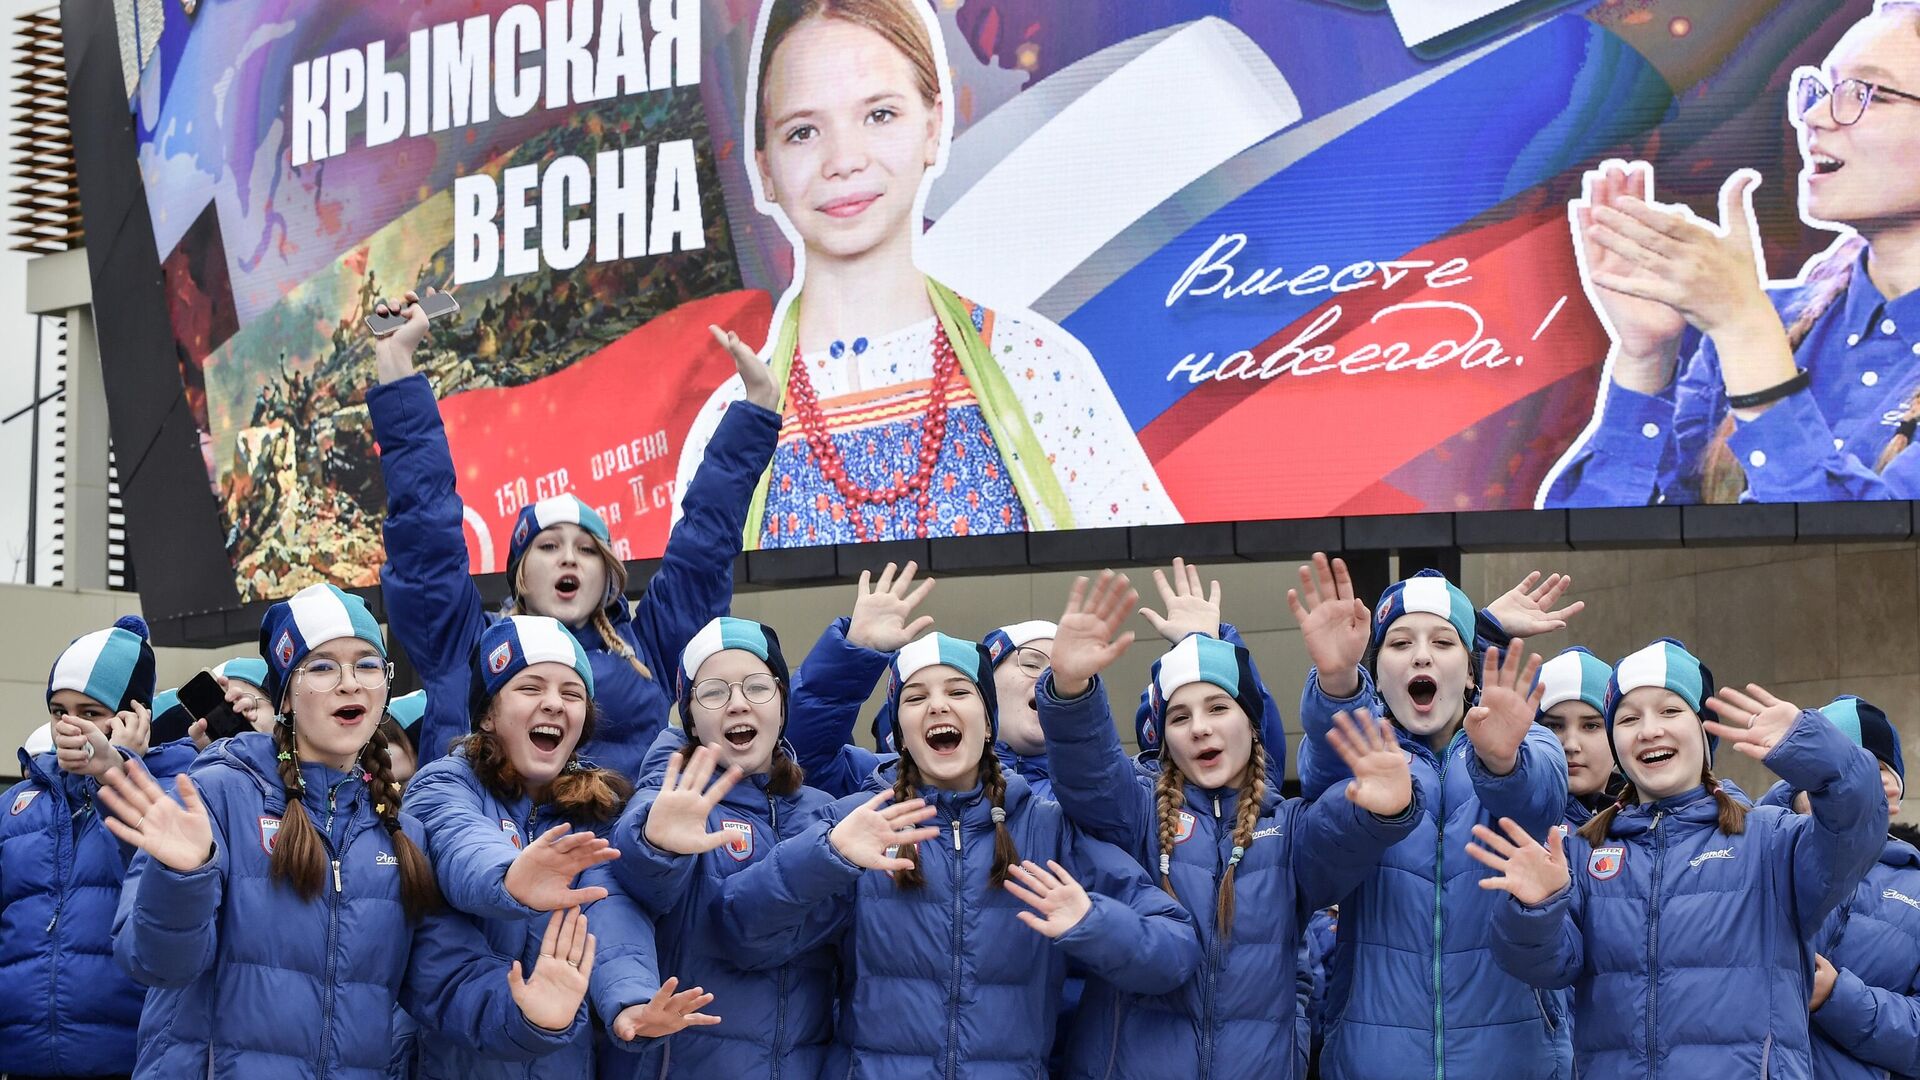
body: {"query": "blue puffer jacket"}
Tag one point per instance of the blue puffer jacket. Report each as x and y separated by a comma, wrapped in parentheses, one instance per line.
(1227, 1020)
(836, 679)
(777, 1016)
(68, 1009)
(435, 610)
(1689, 951)
(1869, 1027)
(250, 981)
(1412, 992)
(943, 980)
(473, 835)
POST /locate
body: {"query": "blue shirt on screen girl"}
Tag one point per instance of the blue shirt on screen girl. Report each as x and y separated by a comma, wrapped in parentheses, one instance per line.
(684, 845)
(68, 1010)
(559, 561)
(1412, 992)
(1206, 819)
(1681, 918)
(283, 906)
(953, 955)
(1866, 980)
(1801, 392)
(515, 823)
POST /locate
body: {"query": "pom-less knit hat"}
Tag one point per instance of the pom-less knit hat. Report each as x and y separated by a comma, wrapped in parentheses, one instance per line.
(999, 643)
(1198, 659)
(1427, 592)
(718, 636)
(1575, 675)
(515, 643)
(113, 666)
(1667, 664)
(305, 621)
(535, 518)
(1868, 727)
(967, 657)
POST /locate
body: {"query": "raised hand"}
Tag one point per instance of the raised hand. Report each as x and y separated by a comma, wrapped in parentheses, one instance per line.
(677, 822)
(1051, 892)
(131, 729)
(865, 836)
(665, 1014)
(1382, 783)
(1754, 721)
(541, 876)
(178, 835)
(1190, 608)
(1085, 644)
(883, 611)
(1646, 333)
(1527, 871)
(1334, 624)
(1509, 703)
(1527, 609)
(550, 996)
(81, 748)
(393, 352)
(755, 375)
(247, 704)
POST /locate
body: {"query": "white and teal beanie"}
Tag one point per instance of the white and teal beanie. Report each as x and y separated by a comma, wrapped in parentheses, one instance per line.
(1575, 675)
(305, 621)
(1665, 663)
(113, 666)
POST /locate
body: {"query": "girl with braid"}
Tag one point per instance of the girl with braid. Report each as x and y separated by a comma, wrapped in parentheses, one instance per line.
(516, 824)
(1805, 391)
(1248, 866)
(952, 958)
(283, 906)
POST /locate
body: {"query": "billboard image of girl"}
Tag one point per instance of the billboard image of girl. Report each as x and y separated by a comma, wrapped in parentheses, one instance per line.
(908, 410)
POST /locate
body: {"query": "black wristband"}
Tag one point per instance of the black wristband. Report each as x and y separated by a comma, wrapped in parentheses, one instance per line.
(1800, 381)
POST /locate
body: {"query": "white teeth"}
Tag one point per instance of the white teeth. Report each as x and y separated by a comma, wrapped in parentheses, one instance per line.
(740, 729)
(1654, 757)
(546, 729)
(942, 729)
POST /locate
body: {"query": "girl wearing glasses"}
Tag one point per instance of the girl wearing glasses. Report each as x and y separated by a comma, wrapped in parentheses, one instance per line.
(512, 817)
(684, 844)
(1803, 392)
(283, 906)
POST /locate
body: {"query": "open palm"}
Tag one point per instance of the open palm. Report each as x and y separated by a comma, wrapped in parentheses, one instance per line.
(1523, 868)
(1754, 722)
(1084, 645)
(178, 835)
(1057, 900)
(866, 836)
(541, 876)
(550, 996)
(1335, 625)
(1508, 706)
(1640, 327)
(677, 821)
(883, 611)
(1382, 782)
(670, 1010)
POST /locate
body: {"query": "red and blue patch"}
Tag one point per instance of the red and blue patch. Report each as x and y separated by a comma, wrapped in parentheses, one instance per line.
(511, 830)
(283, 649)
(1605, 863)
(25, 799)
(1184, 831)
(269, 832)
(500, 657)
(739, 839)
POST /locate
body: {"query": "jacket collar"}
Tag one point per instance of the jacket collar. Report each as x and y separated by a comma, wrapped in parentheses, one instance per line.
(1695, 805)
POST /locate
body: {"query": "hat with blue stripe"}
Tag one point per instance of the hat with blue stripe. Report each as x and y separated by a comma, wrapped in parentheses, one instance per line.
(536, 518)
(969, 658)
(1000, 643)
(305, 621)
(407, 709)
(718, 636)
(1667, 664)
(1575, 675)
(1427, 592)
(1198, 659)
(516, 643)
(1868, 727)
(113, 666)
(248, 669)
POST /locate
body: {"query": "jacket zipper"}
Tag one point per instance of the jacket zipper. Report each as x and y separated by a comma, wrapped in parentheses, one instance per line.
(1207, 977)
(1439, 943)
(959, 943)
(1653, 945)
(63, 860)
(780, 974)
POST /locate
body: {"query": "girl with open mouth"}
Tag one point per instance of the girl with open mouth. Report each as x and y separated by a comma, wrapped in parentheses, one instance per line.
(561, 559)
(685, 844)
(1246, 864)
(1804, 390)
(516, 820)
(1572, 706)
(953, 958)
(1677, 887)
(1411, 991)
(284, 873)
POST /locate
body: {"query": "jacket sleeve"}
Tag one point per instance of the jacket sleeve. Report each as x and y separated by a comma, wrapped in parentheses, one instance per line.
(454, 984)
(1320, 767)
(1878, 1026)
(1541, 946)
(626, 969)
(832, 685)
(1337, 844)
(1093, 779)
(694, 583)
(1780, 795)
(1788, 455)
(1621, 463)
(432, 604)
(1832, 848)
(470, 853)
(167, 929)
(799, 897)
(1534, 793)
(1134, 936)
(656, 880)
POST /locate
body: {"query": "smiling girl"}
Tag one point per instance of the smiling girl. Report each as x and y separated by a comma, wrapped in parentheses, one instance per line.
(1573, 701)
(907, 410)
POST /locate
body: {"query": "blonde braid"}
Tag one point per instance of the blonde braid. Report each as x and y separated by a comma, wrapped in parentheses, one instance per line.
(1253, 793)
(906, 785)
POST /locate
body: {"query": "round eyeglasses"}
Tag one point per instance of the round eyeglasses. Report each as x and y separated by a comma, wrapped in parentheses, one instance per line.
(326, 676)
(713, 694)
(1847, 100)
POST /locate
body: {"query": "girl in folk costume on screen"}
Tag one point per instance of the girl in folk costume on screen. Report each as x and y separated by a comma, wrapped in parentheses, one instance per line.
(908, 410)
(1798, 392)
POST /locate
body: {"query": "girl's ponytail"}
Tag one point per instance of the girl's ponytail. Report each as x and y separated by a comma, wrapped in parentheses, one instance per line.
(1169, 791)
(993, 784)
(1733, 813)
(1246, 818)
(298, 858)
(906, 782)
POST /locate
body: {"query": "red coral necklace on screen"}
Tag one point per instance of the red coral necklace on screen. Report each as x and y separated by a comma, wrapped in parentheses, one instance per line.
(933, 431)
